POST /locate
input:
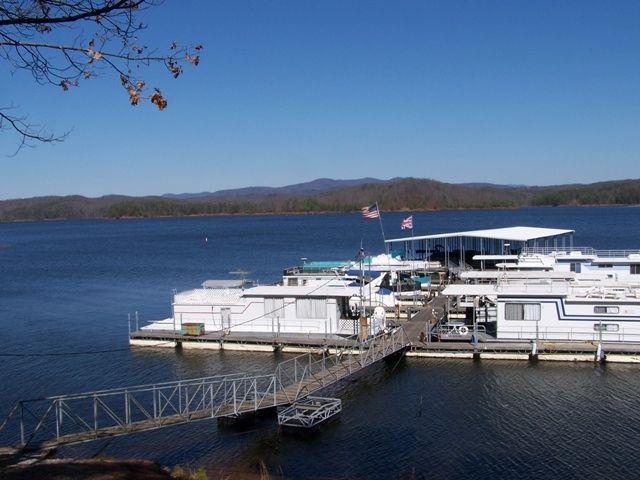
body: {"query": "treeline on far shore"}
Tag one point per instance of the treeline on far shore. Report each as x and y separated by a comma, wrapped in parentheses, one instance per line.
(402, 194)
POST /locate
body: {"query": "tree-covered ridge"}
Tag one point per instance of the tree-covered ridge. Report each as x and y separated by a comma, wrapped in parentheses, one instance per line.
(399, 194)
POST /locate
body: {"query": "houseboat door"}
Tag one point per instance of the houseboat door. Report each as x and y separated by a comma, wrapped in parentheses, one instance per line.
(226, 317)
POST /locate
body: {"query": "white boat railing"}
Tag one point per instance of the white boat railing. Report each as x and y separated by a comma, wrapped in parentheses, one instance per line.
(572, 334)
(586, 251)
(593, 291)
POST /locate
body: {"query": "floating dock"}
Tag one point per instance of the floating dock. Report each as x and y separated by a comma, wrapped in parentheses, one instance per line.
(242, 341)
(309, 412)
(415, 328)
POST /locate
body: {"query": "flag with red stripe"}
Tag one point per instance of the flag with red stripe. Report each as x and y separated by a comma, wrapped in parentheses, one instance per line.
(371, 211)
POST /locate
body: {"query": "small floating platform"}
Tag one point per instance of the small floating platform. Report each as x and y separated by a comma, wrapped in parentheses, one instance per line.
(309, 412)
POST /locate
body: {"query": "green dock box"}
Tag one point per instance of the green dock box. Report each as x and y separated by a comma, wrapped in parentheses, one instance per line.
(192, 329)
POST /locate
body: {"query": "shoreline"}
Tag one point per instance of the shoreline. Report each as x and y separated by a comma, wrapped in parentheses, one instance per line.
(319, 212)
(108, 468)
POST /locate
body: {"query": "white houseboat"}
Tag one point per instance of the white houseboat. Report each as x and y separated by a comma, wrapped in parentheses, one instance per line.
(546, 309)
(330, 307)
(585, 262)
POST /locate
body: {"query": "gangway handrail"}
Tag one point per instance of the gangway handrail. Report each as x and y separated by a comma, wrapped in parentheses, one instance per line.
(75, 418)
(117, 390)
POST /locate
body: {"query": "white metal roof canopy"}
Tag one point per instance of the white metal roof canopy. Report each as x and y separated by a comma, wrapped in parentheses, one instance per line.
(453, 249)
(517, 234)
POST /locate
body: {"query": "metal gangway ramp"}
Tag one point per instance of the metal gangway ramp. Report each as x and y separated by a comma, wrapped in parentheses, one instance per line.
(66, 419)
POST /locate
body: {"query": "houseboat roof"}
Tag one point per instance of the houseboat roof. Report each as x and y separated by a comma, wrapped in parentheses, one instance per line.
(331, 290)
(589, 291)
(617, 260)
(521, 288)
(524, 266)
(495, 257)
(231, 283)
(516, 234)
(316, 264)
(206, 296)
(469, 289)
(497, 274)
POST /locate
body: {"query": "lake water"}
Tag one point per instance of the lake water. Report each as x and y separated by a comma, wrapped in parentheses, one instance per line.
(67, 287)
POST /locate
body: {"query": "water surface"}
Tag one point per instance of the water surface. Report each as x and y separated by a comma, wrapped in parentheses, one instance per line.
(67, 287)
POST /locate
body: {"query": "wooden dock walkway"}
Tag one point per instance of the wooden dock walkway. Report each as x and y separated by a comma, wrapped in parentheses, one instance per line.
(419, 324)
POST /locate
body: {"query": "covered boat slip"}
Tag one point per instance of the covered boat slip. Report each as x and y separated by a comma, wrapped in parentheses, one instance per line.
(457, 249)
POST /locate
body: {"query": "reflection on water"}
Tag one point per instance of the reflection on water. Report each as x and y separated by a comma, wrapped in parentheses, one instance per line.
(434, 419)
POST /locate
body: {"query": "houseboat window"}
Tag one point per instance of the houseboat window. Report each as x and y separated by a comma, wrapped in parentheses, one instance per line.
(292, 282)
(634, 269)
(602, 309)
(575, 267)
(605, 265)
(522, 311)
(606, 327)
(311, 308)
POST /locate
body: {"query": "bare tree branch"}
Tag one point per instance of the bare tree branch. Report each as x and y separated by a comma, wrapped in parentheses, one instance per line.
(64, 42)
(94, 12)
(27, 132)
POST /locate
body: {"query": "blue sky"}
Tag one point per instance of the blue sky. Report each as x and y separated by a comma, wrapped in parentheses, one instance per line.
(287, 91)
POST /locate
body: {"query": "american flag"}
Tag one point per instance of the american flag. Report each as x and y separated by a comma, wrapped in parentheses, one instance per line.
(371, 211)
(407, 223)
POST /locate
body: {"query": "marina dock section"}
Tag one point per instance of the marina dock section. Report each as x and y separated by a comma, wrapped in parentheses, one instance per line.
(422, 345)
(512, 293)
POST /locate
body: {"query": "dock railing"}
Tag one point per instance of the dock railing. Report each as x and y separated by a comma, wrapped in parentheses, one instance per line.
(310, 372)
(572, 334)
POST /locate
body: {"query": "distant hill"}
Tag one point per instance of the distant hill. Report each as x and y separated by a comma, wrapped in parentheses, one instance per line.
(319, 185)
(325, 195)
(483, 184)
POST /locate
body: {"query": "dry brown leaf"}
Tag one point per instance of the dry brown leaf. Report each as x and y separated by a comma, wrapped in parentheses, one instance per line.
(134, 98)
(158, 100)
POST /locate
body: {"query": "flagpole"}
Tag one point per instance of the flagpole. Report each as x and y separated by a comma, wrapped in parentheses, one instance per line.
(384, 239)
(413, 248)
